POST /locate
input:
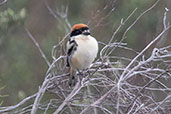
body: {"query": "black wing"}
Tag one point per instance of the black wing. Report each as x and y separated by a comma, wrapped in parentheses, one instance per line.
(71, 48)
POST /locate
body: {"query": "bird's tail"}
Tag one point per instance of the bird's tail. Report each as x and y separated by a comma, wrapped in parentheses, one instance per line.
(72, 76)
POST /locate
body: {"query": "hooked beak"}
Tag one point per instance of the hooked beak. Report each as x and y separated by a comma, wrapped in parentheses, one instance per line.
(86, 32)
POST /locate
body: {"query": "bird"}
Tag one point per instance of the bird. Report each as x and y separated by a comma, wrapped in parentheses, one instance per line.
(82, 49)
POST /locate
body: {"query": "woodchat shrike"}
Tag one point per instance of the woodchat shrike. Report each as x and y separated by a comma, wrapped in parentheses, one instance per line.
(82, 49)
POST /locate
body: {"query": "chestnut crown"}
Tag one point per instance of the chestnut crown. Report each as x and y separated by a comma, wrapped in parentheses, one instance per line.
(78, 29)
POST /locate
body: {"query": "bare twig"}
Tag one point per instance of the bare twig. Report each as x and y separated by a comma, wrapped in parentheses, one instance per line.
(9, 108)
(37, 45)
(3, 2)
(40, 95)
(142, 89)
(76, 89)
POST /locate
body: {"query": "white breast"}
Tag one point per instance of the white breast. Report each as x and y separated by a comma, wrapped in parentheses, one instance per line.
(86, 52)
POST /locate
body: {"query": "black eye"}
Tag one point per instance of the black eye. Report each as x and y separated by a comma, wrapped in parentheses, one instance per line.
(75, 32)
(82, 29)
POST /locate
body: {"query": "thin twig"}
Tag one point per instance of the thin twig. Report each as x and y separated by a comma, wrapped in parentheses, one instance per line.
(9, 108)
(3, 2)
(37, 45)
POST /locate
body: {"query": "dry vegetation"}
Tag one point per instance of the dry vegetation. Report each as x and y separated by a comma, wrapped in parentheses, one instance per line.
(112, 85)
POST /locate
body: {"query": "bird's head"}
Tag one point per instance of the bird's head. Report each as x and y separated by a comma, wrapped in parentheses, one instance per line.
(79, 29)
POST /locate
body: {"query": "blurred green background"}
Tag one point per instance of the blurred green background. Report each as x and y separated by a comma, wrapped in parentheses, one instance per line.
(22, 68)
